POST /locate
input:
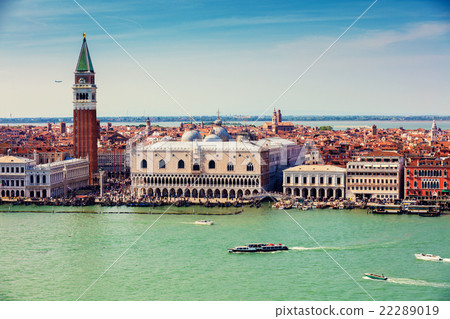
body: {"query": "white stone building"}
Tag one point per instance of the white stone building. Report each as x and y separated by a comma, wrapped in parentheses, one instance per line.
(55, 179)
(378, 175)
(314, 181)
(213, 167)
(12, 175)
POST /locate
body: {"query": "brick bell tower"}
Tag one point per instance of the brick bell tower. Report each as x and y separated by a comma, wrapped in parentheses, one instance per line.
(85, 110)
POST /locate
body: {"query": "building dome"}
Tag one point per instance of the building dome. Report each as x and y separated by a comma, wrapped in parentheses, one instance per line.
(212, 138)
(218, 122)
(222, 133)
(191, 135)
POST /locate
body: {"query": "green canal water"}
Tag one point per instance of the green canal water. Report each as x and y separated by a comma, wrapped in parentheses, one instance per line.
(57, 256)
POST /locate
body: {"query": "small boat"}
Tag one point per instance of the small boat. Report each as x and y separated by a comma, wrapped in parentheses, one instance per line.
(257, 248)
(428, 257)
(430, 214)
(376, 277)
(204, 222)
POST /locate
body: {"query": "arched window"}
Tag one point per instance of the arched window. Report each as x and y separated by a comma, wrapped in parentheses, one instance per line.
(162, 164)
(212, 164)
(180, 164)
(230, 167)
(196, 167)
(407, 184)
(249, 167)
(144, 163)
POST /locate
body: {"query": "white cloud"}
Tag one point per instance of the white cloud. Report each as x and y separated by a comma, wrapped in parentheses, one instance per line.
(413, 32)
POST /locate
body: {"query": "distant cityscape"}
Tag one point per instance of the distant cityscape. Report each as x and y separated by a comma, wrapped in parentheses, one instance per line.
(232, 118)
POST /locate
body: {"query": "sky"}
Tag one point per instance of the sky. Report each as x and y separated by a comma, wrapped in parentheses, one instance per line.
(185, 57)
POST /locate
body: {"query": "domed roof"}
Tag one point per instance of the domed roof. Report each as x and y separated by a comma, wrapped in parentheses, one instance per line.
(222, 133)
(191, 135)
(218, 122)
(212, 138)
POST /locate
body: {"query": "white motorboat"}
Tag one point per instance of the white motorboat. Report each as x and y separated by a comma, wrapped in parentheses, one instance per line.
(428, 257)
(204, 222)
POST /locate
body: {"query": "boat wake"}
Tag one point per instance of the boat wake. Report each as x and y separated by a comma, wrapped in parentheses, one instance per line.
(333, 248)
(446, 260)
(414, 282)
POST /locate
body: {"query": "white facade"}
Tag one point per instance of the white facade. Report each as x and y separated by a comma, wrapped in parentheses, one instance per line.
(55, 179)
(378, 175)
(12, 175)
(199, 169)
(314, 181)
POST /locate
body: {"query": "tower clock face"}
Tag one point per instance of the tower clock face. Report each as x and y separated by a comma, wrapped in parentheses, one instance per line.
(81, 80)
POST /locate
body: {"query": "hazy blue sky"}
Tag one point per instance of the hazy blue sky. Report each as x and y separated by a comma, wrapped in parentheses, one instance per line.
(238, 56)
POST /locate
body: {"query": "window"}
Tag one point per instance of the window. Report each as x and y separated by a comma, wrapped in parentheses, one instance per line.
(31, 179)
(321, 180)
(313, 180)
(180, 164)
(21, 169)
(305, 180)
(144, 164)
(212, 164)
(196, 167)
(296, 179)
(44, 179)
(288, 179)
(249, 167)
(230, 167)
(162, 164)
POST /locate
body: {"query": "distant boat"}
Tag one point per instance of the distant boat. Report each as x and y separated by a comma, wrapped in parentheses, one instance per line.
(376, 277)
(57, 81)
(204, 222)
(428, 257)
(257, 248)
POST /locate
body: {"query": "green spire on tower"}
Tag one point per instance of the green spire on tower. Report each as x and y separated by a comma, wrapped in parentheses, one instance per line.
(84, 60)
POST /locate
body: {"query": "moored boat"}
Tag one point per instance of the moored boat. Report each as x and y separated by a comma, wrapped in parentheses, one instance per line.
(257, 248)
(428, 257)
(375, 276)
(204, 222)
